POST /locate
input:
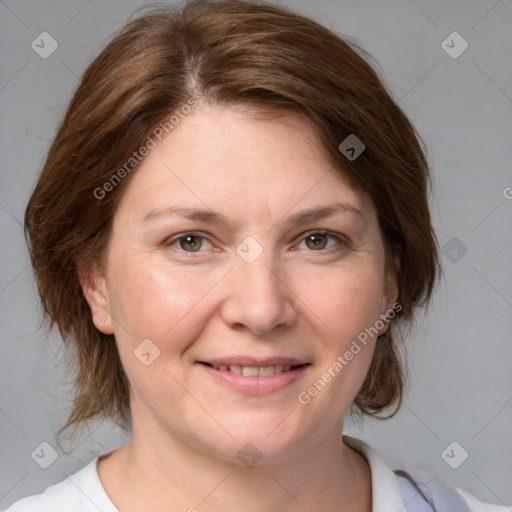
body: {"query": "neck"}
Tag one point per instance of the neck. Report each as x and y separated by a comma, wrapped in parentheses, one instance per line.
(149, 475)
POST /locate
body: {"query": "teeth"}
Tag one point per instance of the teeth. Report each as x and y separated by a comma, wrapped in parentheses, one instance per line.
(266, 371)
(235, 369)
(254, 371)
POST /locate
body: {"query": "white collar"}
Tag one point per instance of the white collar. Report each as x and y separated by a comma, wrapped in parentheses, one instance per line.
(386, 494)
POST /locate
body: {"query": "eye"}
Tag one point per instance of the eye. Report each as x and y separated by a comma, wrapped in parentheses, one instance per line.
(317, 241)
(187, 242)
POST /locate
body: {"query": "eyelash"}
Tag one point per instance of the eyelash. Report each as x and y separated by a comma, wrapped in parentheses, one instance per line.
(341, 240)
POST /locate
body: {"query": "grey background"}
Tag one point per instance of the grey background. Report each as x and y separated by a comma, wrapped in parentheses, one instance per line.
(460, 353)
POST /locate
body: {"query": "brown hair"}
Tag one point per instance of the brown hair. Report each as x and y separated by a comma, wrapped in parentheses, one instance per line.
(225, 53)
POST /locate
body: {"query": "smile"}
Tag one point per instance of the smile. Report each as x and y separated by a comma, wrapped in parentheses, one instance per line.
(254, 371)
(254, 380)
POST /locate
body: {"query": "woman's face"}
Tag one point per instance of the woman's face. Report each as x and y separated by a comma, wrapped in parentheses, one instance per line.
(235, 294)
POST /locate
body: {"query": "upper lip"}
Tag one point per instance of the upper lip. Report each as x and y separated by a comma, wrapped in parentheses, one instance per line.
(254, 361)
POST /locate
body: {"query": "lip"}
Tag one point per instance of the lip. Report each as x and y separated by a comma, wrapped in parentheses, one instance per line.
(254, 385)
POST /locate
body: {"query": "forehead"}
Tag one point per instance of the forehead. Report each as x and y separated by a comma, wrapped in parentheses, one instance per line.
(231, 158)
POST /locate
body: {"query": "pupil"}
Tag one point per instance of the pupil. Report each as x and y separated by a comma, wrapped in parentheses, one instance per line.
(192, 243)
(317, 241)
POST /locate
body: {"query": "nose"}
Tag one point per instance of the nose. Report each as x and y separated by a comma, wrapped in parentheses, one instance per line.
(258, 298)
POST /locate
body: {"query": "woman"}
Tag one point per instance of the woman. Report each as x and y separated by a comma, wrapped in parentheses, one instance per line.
(230, 227)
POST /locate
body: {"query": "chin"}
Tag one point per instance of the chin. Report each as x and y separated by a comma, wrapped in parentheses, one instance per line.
(261, 440)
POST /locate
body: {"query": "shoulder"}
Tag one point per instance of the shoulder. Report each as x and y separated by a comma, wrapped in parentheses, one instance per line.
(401, 491)
(80, 492)
(439, 496)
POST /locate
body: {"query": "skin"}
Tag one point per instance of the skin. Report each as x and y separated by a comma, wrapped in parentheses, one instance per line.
(294, 300)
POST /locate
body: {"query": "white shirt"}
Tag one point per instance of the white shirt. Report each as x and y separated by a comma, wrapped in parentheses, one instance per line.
(84, 492)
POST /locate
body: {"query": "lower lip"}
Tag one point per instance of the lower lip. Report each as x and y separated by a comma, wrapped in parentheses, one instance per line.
(256, 385)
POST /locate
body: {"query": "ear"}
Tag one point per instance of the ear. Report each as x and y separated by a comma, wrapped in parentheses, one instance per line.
(390, 306)
(94, 287)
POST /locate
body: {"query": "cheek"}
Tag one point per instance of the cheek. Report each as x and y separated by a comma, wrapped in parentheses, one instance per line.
(344, 305)
(155, 301)
(346, 301)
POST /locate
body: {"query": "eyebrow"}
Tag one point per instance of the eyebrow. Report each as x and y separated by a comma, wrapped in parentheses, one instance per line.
(217, 218)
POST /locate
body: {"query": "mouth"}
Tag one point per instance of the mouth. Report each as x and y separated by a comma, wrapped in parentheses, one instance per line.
(255, 377)
(254, 371)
